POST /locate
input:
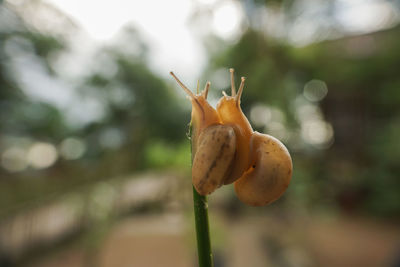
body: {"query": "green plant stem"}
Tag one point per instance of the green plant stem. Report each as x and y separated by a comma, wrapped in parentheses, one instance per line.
(202, 230)
(200, 206)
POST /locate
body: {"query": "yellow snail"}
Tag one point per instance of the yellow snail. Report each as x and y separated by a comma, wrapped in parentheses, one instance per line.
(227, 150)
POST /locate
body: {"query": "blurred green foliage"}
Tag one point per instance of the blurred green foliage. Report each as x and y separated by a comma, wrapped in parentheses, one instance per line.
(360, 170)
(142, 125)
(161, 155)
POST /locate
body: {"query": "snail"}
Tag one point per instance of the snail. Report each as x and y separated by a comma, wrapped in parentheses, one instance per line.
(226, 150)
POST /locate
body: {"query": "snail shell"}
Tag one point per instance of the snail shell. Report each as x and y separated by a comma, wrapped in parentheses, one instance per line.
(213, 158)
(269, 174)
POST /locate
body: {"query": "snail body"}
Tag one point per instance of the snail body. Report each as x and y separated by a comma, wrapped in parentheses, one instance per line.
(225, 149)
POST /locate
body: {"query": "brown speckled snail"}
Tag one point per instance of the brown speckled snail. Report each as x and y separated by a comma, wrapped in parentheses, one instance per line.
(227, 150)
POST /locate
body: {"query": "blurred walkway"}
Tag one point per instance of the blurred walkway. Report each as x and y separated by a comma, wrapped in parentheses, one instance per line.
(256, 241)
(157, 241)
(140, 222)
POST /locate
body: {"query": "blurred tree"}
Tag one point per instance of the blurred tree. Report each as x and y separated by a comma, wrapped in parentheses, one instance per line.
(19, 114)
(138, 105)
(357, 171)
(138, 108)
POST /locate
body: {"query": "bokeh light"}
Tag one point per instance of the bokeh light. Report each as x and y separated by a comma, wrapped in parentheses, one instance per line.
(42, 155)
(260, 115)
(315, 90)
(72, 148)
(317, 133)
(14, 159)
(227, 19)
